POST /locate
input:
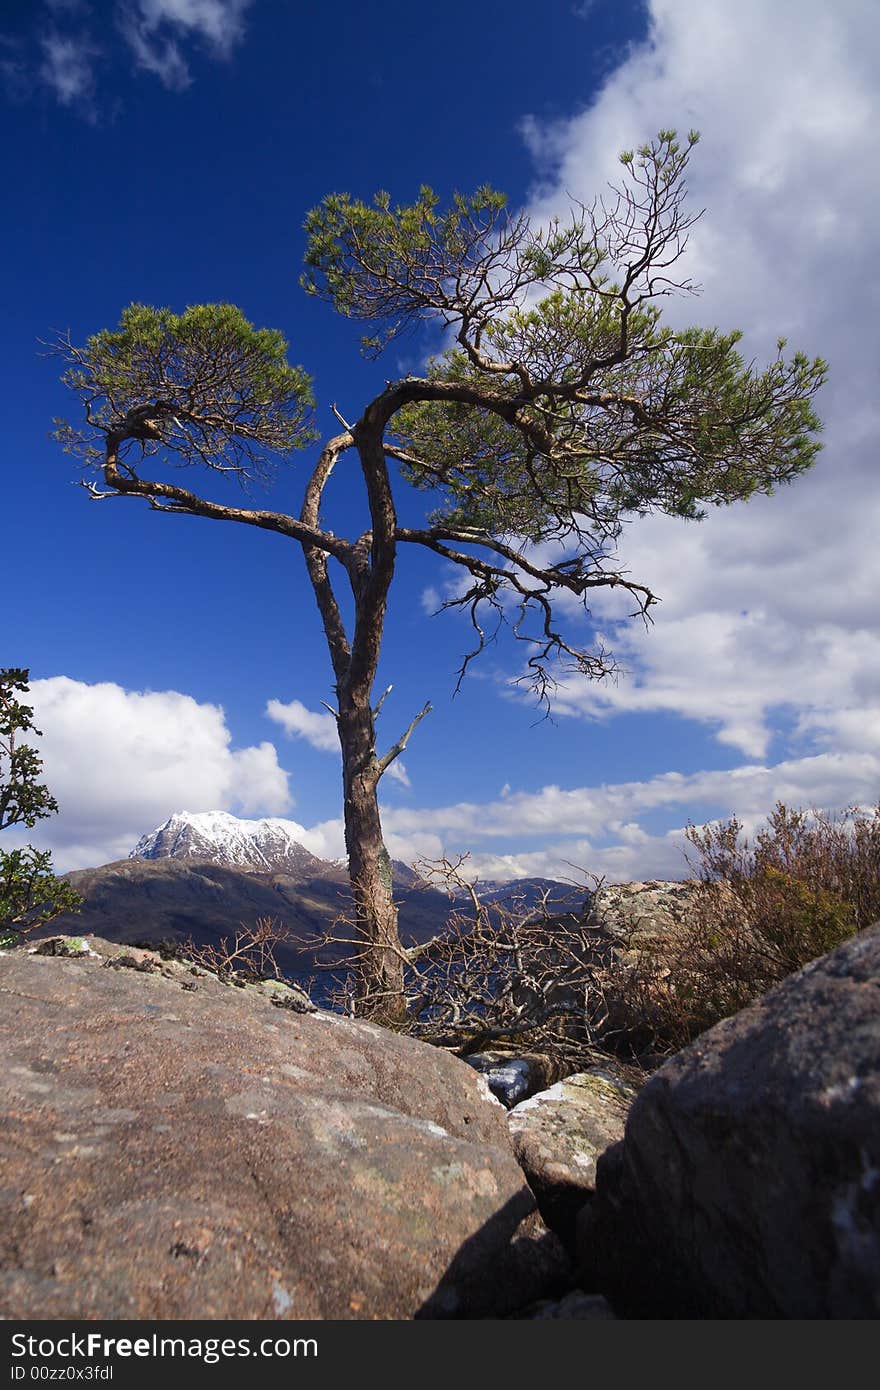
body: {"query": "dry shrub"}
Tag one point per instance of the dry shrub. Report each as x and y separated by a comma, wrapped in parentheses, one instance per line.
(558, 984)
(762, 910)
(250, 956)
(513, 979)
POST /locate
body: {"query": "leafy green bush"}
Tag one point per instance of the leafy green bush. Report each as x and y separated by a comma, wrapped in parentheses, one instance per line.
(30, 894)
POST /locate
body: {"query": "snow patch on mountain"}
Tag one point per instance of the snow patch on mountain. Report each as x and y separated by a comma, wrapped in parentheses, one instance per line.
(263, 845)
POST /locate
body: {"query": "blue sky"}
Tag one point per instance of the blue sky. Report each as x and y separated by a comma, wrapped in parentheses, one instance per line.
(168, 150)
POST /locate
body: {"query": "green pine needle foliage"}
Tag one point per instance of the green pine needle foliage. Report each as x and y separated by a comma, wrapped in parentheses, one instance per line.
(30, 894)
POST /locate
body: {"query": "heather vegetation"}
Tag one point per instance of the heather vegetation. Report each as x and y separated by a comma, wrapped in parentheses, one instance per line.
(759, 910)
(762, 909)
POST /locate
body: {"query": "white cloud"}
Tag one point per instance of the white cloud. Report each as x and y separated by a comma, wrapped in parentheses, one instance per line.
(219, 22)
(598, 829)
(827, 780)
(320, 731)
(257, 781)
(156, 30)
(299, 722)
(68, 67)
(772, 603)
(326, 839)
(398, 773)
(119, 762)
(63, 48)
(160, 56)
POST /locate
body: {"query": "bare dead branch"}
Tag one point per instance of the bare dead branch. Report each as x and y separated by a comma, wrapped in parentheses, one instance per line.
(397, 748)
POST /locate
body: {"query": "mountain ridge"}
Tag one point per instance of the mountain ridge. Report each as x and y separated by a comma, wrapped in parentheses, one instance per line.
(264, 845)
(269, 845)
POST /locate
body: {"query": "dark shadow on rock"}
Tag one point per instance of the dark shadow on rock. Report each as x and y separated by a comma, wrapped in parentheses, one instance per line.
(746, 1185)
(511, 1261)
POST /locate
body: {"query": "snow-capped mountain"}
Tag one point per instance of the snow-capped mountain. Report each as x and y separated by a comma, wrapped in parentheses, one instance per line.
(270, 846)
(216, 836)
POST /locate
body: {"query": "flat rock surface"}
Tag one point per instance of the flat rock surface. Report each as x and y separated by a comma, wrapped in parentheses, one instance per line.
(748, 1181)
(178, 1148)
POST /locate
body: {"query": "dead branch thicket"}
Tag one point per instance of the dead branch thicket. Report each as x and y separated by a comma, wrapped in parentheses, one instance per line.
(495, 977)
(250, 956)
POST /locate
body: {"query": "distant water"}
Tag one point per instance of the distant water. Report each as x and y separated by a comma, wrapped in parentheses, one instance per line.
(317, 987)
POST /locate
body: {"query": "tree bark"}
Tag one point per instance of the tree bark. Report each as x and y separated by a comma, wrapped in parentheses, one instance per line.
(369, 566)
(379, 971)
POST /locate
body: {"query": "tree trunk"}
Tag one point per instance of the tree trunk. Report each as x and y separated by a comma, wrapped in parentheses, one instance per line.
(379, 973)
(369, 565)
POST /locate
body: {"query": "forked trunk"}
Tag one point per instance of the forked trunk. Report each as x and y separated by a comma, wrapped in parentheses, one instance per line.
(379, 972)
(369, 566)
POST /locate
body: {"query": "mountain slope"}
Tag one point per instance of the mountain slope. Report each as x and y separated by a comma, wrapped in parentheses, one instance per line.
(205, 874)
(172, 899)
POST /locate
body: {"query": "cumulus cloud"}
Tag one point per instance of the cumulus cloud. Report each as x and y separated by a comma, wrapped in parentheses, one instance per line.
(603, 829)
(299, 722)
(770, 606)
(120, 761)
(320, 731)
(825, 779)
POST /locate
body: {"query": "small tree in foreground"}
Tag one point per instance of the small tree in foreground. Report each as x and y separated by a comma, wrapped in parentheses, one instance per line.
(30, 894)
(563, 408)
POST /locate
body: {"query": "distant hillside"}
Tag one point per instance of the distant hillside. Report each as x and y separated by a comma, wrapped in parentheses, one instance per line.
(202, 875)
(171, 899)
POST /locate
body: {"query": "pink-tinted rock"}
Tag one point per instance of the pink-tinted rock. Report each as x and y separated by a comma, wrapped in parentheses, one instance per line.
(180, 1152)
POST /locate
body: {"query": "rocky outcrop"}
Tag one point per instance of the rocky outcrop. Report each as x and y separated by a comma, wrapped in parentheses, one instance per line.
(559, 1134)
(748, 1181)
(178, 1148)
(638, 914)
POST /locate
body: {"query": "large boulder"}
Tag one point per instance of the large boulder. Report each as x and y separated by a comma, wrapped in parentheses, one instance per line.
(748, 1181)
(559, 1135)
(638, 915)
(179, 1148)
